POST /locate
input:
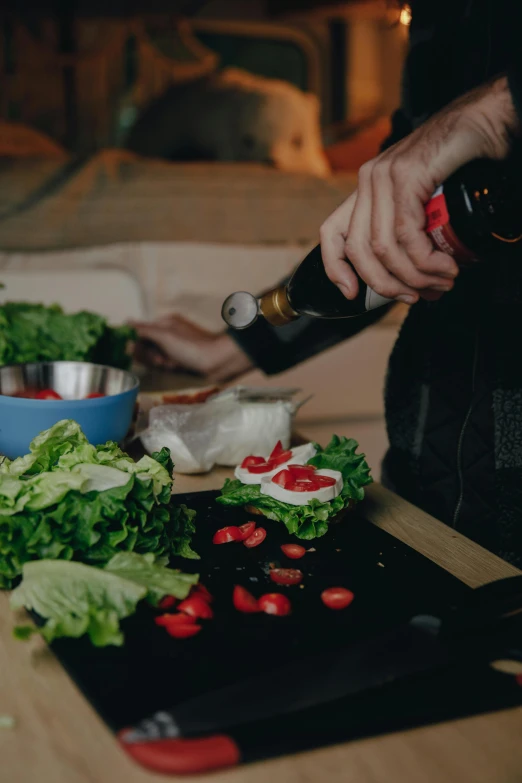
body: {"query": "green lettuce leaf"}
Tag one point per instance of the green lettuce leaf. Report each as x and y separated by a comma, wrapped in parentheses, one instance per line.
(35, 333)
(76, 599)
(310, 521)
(70, 500)
(158, 580)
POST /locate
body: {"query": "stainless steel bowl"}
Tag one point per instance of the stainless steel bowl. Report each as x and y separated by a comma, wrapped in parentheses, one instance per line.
(71, 380)
(101, 418)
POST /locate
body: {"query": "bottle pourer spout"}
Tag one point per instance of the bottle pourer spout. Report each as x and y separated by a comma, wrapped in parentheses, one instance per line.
(240, 310)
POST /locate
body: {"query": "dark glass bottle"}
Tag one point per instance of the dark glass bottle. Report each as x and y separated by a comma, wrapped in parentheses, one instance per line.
(475, 215)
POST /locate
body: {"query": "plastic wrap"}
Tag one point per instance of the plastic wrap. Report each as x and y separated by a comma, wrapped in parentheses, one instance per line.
(224, 430)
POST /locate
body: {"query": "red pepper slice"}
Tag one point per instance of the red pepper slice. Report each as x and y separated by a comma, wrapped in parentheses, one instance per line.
(275, 603)
(244, 601)
(337, 597)
(257, 537)
(47, 394)
(94, 396)
(227, 534)
(248, 462)
(286, 576)
(196, 607)
(247, 529)
(293, 551)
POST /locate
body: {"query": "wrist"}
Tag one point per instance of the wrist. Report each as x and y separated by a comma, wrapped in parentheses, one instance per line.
(497, 118)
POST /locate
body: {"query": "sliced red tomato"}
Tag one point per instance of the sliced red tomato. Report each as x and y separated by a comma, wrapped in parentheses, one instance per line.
(168, 620)
(302, 471)
(249, 462)
(247, 529)
(275, 603)
(302, 486)
(227, 534)
(257, 537)
(293, 551)
(195, 606)
(202, 592)
(183, 631)
(286, 576)
(277, 450)
(167, 602)
(244, 601)
(283, 457)
(47, 394)
(337, 597)
(283, 478)
(324, 481)
(94, 396)
(261, 467)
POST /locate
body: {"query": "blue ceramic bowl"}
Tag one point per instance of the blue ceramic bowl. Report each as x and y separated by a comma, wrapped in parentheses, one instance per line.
(101, 419)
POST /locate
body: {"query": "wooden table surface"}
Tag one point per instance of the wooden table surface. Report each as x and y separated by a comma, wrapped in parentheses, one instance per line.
(58, 738)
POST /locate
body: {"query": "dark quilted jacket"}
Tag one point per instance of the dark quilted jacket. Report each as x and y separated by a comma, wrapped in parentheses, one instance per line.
(454, 387)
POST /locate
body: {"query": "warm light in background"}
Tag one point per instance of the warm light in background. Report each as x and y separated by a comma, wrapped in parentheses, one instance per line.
(405, 17)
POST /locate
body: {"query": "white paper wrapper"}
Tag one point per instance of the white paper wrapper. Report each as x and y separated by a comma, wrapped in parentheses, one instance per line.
(222, 431)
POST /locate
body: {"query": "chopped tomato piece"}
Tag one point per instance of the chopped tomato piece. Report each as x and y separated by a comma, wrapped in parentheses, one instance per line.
(324, 481)
(337, 597)
(94, 396)
(257, 537)
(302, 486)
(244, 601)
(275, 603)
(286, 576)
(283, 457)
(47, 394)
(195, 606)
(293, 551)
(168, 620)
(247, 529)
(277, 450)
(183, 631)
(302, 471)
(283, 478)
(167, 602)
(202, 592)
(227, 534)
(261, 467)
(248, 462)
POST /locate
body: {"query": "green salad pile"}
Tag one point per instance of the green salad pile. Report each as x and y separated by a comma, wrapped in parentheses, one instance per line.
(35, 333)
(311, 520)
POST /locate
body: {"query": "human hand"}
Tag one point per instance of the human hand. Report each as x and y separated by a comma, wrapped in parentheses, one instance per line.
(380, 228)
(176, 344)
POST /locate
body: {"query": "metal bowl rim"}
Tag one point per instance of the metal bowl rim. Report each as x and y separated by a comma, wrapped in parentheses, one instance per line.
(133, 377)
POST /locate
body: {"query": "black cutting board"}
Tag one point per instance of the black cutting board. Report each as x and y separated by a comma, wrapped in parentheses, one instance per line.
(391, 583)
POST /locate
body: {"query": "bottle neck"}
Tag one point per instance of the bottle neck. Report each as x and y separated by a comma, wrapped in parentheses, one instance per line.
(276, 308)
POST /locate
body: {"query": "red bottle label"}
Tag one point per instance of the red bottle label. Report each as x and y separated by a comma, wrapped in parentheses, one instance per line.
(439, 228)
